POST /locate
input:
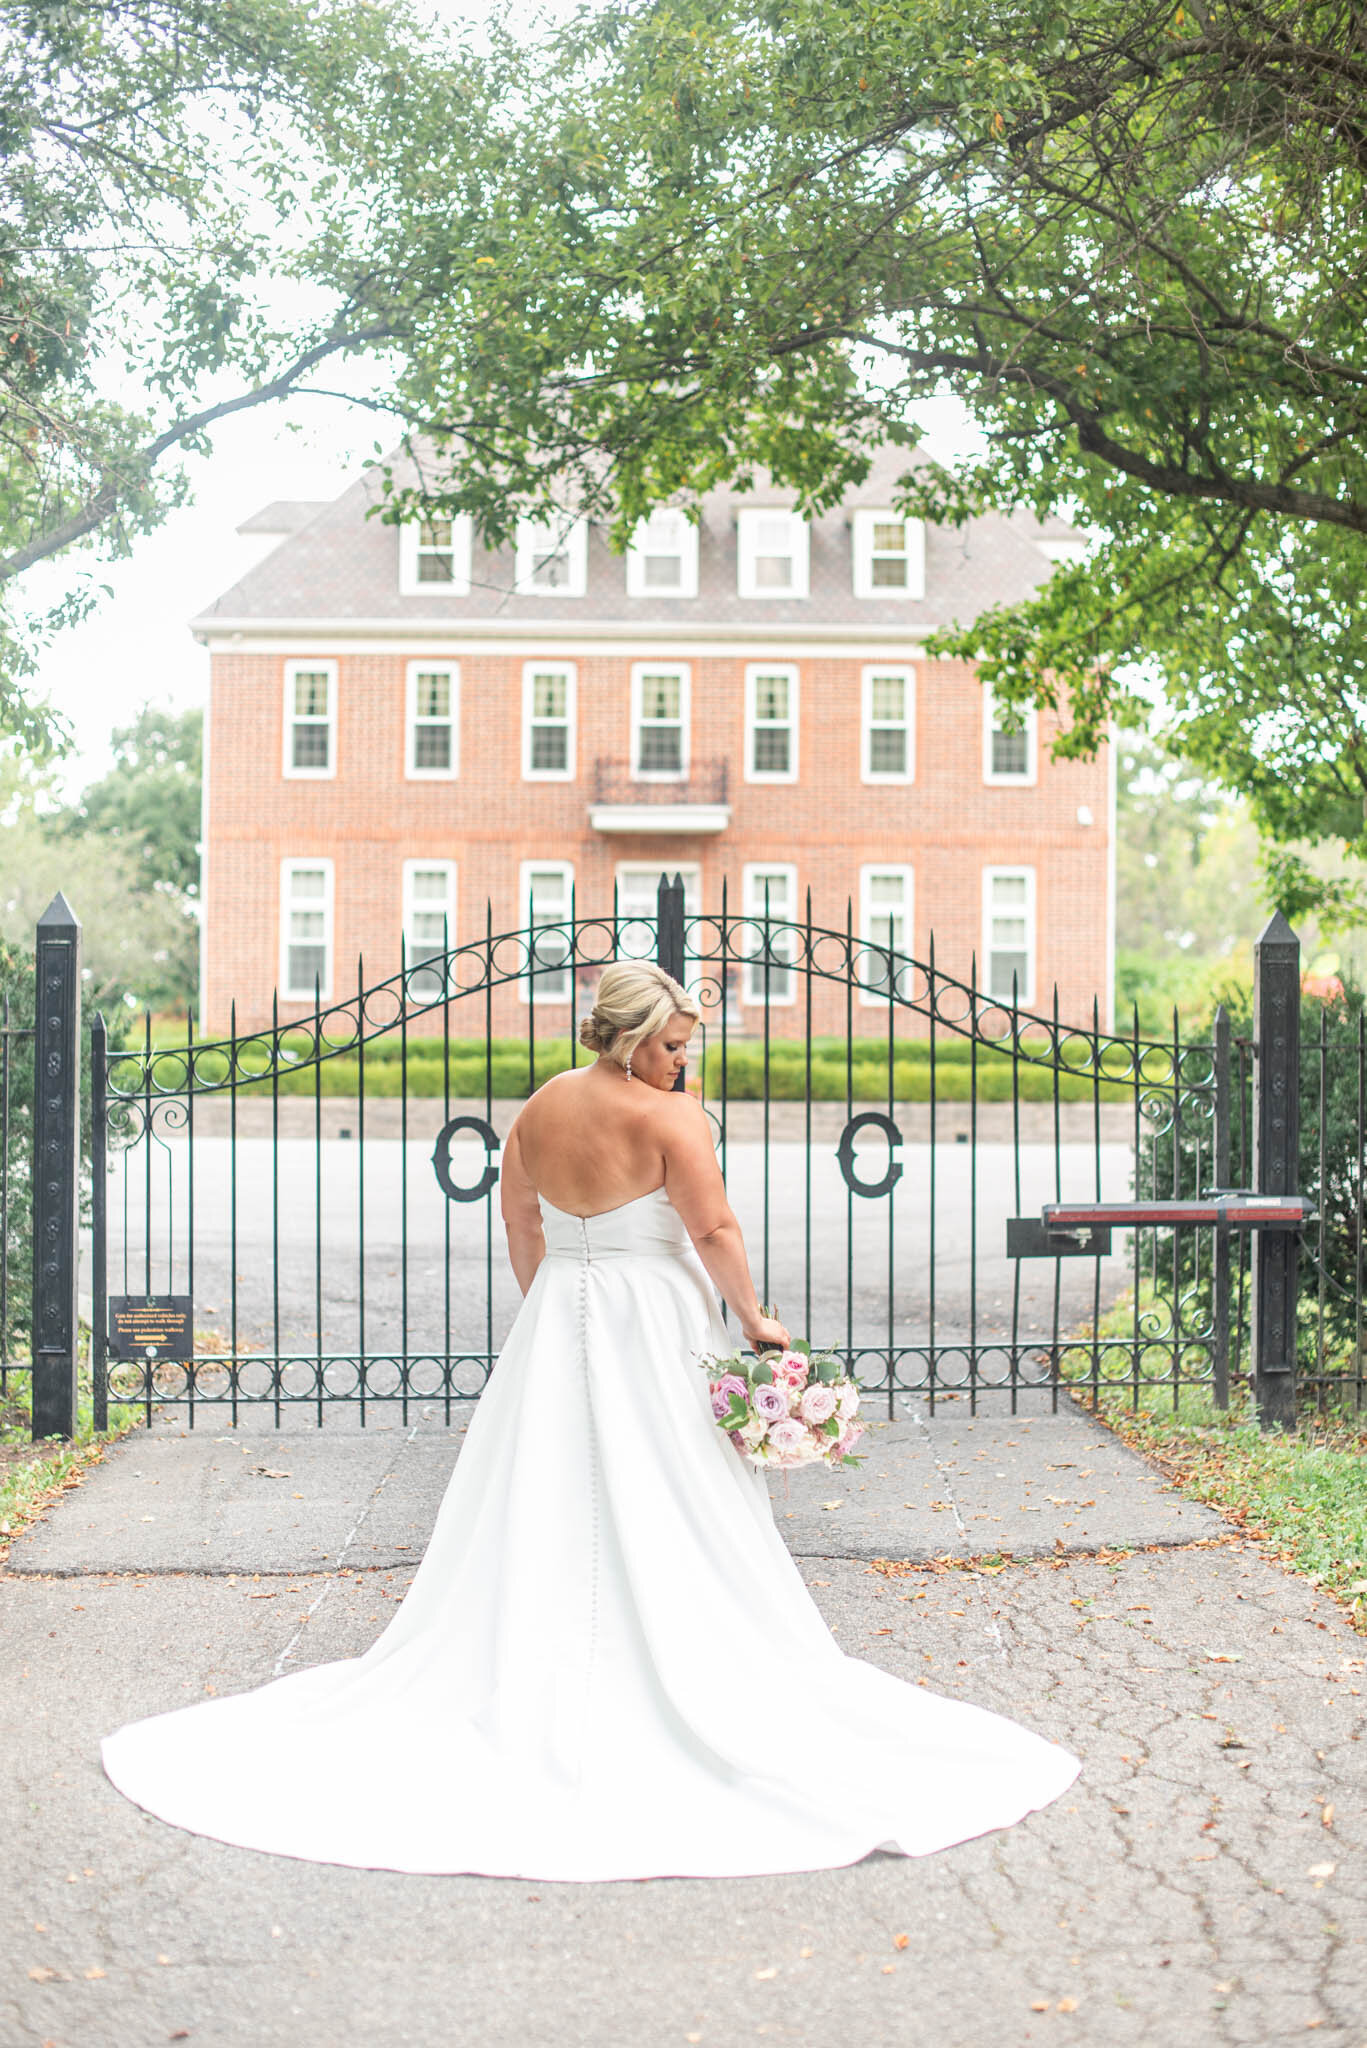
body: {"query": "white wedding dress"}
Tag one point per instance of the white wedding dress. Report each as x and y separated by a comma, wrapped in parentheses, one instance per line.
(608, 1665)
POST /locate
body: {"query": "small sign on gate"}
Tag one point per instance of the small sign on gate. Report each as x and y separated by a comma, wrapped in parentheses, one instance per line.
(143, 1326)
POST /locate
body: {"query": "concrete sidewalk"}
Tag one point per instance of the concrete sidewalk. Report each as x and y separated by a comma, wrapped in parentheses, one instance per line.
(1203, 1882)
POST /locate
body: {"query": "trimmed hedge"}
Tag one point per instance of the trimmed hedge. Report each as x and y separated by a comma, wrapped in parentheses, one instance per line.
(508, 1070)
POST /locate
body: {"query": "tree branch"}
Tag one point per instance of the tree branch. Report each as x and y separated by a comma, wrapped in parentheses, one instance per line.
(98, 507)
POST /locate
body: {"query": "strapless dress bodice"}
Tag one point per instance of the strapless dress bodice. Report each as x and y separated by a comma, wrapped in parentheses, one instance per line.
(649, 1226)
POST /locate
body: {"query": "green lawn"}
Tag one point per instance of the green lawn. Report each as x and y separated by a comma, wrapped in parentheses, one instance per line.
(32, 1474)
(1303, 1495)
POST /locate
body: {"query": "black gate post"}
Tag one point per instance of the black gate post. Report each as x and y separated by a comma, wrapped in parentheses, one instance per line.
(1220, 1335)
(669, 931)
(669, 926)
(99, 1242)
(56, 1178)
(1276, 1167)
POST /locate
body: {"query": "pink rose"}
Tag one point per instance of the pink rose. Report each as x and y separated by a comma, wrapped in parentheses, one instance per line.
(771, 1402)
(732, 1383)
(788, 1438)
(793, 1368)
(848, 1400)
(817, 1404)
(849, 1437)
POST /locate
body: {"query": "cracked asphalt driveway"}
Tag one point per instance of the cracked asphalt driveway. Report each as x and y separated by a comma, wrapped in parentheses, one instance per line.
(1203, 1882)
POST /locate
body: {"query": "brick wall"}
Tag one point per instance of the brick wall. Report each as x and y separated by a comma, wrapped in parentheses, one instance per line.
(948, 824)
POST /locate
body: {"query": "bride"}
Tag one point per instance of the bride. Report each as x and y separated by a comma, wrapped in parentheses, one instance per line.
(608, 1664)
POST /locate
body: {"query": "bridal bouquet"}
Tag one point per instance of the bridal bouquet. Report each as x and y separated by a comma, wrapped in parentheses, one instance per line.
(786, 1408)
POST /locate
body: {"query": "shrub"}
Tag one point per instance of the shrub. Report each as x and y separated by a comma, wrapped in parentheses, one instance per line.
(1336, 1194)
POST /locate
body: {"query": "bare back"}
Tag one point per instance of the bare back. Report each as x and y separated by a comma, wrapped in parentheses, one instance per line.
(591, 1140)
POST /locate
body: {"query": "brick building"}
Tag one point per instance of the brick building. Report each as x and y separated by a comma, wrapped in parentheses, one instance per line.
(403, 724)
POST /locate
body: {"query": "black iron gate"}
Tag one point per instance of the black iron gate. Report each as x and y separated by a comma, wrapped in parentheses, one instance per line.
(303, 1216)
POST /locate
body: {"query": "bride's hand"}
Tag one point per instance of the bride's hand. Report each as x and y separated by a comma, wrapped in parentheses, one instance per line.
(768, 1334)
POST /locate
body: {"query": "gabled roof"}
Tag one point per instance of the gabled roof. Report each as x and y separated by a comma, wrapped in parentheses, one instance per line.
(284, 515)
(340, 564)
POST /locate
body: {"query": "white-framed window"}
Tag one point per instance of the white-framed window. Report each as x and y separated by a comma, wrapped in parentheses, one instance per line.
(659, 721)
(1007, 756)
(889, 723)
(429, 925)
(552, 557)
(548, 714)
(432, 750)
(771, 705)
(434, 556)
(771, 553)
(638, 886)
(885, 903)
(546, 892)
(310, 718)
(889, 555)
(769, 892)
(1009, 933)
(662, 560)
(306, 930)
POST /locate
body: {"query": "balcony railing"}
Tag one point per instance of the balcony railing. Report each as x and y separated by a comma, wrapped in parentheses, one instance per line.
(615, 782)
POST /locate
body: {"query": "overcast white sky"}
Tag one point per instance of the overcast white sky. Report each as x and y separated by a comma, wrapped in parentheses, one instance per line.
(136, 648)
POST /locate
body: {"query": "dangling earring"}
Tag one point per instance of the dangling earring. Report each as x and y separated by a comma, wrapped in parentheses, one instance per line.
(628, 1063)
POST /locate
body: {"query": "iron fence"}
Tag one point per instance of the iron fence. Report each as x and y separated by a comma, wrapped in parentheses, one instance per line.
(281, 1179)
(300, 1217)
(16, 1192)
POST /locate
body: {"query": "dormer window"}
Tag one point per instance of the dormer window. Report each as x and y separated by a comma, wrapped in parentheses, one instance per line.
(662, 560)
(434, 557)
(771, 554)
(552, 558)
(889, 555)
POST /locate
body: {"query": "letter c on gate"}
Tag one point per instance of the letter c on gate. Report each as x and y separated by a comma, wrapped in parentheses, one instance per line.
(845, 1154)
(441, 1159)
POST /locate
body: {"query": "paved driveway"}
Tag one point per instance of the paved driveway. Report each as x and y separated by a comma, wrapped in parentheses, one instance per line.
(836, 1264)
(1204, 1882)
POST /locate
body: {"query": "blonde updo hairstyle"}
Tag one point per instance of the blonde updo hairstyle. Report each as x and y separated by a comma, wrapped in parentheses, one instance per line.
(635, 1000)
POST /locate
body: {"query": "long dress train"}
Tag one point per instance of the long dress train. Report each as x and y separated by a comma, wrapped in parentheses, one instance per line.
(608, 1665)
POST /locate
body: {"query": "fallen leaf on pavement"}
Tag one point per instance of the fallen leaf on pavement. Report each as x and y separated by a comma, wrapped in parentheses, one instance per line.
(1322, 1870)
(900, 1940)
(831, 1505)
(766, 1973)
(39, 1975)
(1067, 2005)
(1039, 2005)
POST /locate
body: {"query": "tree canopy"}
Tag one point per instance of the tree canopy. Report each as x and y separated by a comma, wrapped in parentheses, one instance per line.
(150, 799)
(736, 235)
(188, 228)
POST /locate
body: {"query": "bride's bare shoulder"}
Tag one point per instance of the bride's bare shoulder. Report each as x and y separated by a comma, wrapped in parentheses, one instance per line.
(552, 1096)
(681, 1116)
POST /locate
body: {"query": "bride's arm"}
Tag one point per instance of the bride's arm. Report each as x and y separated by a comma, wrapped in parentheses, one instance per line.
(694, 1185)
(521, 1213)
